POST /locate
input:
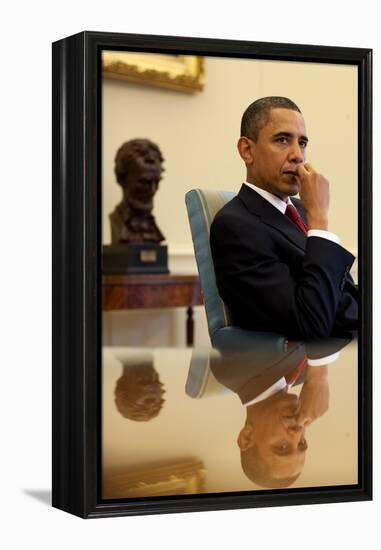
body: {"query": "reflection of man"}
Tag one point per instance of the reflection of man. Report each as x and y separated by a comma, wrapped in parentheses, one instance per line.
(272, 442)
(273, 439)
(138, 170)
(278, 268)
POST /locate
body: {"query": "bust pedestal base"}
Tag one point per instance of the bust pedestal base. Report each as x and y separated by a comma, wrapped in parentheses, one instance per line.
(135, 258)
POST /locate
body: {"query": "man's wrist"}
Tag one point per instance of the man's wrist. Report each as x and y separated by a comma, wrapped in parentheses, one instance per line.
(317, 223)
(323, 234)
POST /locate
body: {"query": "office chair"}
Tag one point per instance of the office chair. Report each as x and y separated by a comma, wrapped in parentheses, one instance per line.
(202, 205)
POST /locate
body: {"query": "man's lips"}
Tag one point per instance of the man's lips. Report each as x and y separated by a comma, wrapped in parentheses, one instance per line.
(290, 173)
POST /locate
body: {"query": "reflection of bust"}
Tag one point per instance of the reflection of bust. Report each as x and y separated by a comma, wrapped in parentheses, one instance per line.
(139, 392)
(138, 169)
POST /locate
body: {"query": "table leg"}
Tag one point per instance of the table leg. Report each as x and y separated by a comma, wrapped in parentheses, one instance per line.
(190, 327)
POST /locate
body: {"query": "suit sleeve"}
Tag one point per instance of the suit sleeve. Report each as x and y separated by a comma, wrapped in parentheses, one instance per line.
(266, 289)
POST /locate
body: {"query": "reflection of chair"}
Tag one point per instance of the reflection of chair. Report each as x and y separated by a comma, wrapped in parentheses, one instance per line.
(202, 206)
(214, 372)
(201, 382)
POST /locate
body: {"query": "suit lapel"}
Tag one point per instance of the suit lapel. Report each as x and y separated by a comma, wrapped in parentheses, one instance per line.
(271, 216)
(252, 372)
(273, 373)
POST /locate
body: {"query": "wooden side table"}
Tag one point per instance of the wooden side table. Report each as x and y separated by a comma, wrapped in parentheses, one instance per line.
(153, 291)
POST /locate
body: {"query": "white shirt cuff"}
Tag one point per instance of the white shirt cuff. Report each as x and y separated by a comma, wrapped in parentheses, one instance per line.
(324, 235)
(324, 360)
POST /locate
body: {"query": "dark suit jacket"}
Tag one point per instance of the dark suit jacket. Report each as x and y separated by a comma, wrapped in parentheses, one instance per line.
(249, 373)
(273, 278)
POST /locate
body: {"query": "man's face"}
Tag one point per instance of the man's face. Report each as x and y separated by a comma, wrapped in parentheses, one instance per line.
(280, 439)
(271, 161)
(142, 182)
(144, 185)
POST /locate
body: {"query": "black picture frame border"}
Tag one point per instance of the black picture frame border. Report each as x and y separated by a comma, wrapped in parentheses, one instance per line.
(76, 317)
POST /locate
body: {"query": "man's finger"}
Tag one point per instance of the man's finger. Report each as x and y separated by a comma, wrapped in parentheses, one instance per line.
(308, 167)
(300, 170)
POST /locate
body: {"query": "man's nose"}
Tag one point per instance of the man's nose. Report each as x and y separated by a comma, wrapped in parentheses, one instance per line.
(304, 420)
(295, 429)
(292, 425)
(296, 153)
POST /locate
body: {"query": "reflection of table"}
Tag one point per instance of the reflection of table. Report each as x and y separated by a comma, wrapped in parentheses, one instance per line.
(197, 395)
(153, 291)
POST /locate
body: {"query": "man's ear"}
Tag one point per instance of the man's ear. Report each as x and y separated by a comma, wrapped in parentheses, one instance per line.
(245, 148)
(246, 437)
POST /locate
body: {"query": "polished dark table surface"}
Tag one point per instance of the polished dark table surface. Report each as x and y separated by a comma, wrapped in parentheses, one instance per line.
(171, 417)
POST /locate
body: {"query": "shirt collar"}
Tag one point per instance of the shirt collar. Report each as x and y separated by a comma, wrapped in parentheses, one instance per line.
(272, 390)
(272, 199)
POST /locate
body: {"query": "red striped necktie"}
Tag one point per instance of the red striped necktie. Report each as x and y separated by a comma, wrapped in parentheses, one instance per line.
(292, 376)
(293, 214)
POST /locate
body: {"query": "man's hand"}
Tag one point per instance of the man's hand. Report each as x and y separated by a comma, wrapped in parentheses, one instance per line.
(314, 397)
(314, 194)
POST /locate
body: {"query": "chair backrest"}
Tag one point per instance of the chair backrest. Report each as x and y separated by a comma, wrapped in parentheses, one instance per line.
(202, 206)
(201, 381)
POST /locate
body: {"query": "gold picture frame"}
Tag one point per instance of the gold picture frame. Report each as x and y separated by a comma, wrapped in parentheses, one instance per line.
(174, 478)
(183, 73)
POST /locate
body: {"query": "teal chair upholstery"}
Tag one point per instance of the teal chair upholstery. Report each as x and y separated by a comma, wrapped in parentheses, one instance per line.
(202, 205)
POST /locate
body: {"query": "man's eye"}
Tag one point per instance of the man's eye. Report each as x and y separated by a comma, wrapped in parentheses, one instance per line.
(282, 139)
(303, 144)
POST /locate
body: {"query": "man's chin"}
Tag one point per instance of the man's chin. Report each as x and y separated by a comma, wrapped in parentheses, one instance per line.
(287, 191)
(293, 187)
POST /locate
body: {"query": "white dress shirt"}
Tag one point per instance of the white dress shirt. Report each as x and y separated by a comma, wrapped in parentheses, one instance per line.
(280, 384)
(282, 205)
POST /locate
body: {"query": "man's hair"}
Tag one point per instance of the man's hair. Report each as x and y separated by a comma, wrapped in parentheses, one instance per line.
(257, 115)
(131, 150)
(259, 473)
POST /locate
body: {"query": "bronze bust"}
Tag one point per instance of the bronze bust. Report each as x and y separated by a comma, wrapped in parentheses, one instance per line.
(138, 170)
(139, 391)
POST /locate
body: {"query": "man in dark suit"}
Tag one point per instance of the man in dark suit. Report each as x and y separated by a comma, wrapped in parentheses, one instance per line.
(272, 441)
(278, 268)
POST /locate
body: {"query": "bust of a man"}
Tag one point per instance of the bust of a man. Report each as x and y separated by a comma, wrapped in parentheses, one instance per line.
(138, 170)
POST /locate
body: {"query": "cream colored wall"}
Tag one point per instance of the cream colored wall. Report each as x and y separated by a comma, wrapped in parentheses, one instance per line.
(197, 134)
(327, 96)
